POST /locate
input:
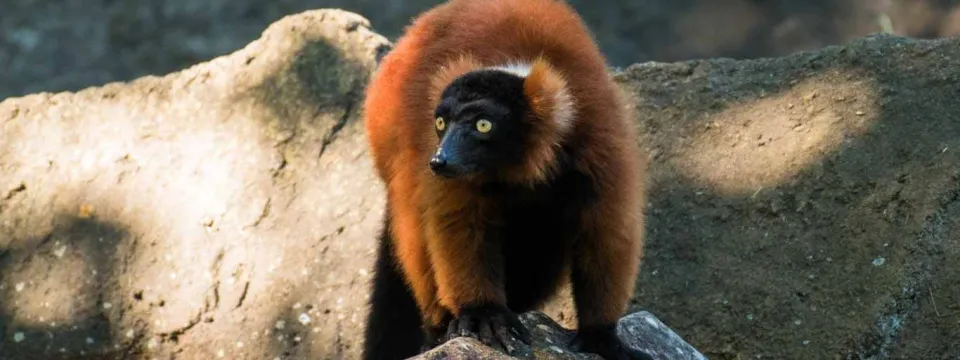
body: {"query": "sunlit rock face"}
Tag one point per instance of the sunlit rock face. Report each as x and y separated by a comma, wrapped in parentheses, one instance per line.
(225, 210)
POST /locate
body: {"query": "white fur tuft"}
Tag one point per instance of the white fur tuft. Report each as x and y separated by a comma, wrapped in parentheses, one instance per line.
(563, 112)
(516, 68)
(563, 103)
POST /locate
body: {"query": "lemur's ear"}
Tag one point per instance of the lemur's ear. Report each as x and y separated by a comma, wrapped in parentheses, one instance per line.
(547, 93)
(451, 71)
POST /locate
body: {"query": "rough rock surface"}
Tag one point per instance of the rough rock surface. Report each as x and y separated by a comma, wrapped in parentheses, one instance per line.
(221, 212)
(806, 206)
(644, 332)
(800, 207)
(550, 341)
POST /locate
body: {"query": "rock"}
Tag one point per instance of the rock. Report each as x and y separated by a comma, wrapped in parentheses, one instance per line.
(640, 331)
(462, 348)
(205, 206)
(209, 205)
(741, 278)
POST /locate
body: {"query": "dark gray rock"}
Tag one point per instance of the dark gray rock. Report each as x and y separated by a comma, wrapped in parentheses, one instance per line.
(641, 331)
(645, 332)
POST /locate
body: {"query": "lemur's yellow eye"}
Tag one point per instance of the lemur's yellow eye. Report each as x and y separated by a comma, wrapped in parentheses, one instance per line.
(440, 124)
(484, 125)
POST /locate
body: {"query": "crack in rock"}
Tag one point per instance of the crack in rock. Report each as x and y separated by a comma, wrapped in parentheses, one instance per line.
(243, 294)
(280, 166)
(11, 193)
(211, 302)
(215, 287)
(175, 334)
(331, 135)
(263, 215)
(18, 189)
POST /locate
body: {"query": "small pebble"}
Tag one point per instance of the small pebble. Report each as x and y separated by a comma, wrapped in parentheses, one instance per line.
(879, 261)
(19, 287)
(18, 337)
(304, 318)
(280, 324)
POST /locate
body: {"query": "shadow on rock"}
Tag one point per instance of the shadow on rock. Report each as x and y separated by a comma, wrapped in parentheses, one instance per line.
(324, 75)
(59, 292)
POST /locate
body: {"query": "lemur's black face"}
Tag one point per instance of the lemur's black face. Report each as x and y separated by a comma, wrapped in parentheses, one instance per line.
(479, 123)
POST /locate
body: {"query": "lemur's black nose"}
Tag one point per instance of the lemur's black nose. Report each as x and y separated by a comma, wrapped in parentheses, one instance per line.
(437, 163)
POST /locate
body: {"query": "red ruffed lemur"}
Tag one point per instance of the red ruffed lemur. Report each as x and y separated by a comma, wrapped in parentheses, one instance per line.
(511, 165)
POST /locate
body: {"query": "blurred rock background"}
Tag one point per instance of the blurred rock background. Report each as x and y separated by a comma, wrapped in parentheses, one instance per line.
(57, 45)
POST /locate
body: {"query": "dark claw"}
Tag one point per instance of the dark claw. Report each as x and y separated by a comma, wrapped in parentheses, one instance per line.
(486, 334)
(462, 326)
(494, 326)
